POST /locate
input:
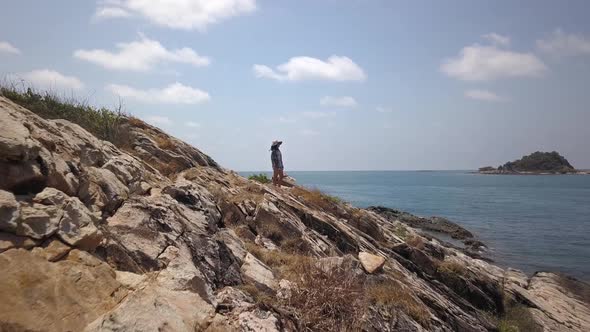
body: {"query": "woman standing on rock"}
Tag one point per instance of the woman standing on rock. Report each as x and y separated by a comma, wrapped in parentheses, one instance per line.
(277, 163)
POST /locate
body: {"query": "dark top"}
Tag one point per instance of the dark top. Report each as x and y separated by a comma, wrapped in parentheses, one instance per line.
(276, 158)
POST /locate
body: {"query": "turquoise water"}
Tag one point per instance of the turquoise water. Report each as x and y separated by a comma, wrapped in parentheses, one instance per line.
(529, 222)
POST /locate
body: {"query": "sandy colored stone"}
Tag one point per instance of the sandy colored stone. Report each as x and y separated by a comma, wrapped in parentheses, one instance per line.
(53, 251)
(257, 271)
(9, 241)
(371, 263)
(64, 296)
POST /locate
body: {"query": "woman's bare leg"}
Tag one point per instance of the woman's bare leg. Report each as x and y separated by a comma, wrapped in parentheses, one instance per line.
(275, 177)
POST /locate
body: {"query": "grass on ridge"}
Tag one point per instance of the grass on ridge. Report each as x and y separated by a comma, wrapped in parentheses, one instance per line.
(262, 178)
(101, 122)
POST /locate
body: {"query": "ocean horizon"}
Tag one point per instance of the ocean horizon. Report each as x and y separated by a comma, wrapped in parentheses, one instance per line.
(531, 223)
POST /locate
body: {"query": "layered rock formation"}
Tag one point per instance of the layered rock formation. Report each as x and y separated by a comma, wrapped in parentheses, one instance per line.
(158, 237)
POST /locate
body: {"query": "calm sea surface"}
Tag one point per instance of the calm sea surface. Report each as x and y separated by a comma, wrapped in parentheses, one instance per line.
(529, 222)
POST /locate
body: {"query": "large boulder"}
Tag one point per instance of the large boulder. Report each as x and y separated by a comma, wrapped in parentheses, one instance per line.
(9, 211)
(38, 295)
(155, 308)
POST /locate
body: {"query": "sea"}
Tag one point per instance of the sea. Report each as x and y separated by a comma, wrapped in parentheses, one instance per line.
(529, 222)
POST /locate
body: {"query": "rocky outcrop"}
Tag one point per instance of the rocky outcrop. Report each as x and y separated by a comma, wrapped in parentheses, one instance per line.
(433, 224)
(155, 236)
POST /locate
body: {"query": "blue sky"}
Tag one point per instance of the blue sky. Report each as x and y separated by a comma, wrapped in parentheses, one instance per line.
(347, 85)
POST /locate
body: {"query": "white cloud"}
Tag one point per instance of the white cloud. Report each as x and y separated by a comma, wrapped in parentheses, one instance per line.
(343, 101)
(317, 115)
(187, 14)
(111, 12)
(484, 95)
(173, 94)
(497, 39)
(336, 68)
(485, 63)
(382, 109)
(562, 44)
(6, 47)
(309, 132)
(141, 55)
(158, 120)
(46, 79)
(192, 124)
(284, 119)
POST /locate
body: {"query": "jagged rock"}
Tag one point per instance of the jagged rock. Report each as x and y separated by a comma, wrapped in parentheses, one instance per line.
(258, 320)
(130, 280)
(38, 221)
(50, 196)
(9, 211)
(233, 242)
(100, 188)
(63, 296)
(22, 178)
(258, 272)
(285, 290)
(156, 308)
(77, 227)
(434, 224)
(181, 274)
(560, 300)
(9, 241)
(265, 242)
(53, 251)
(230, 298)
(15, 141)
(371, 263)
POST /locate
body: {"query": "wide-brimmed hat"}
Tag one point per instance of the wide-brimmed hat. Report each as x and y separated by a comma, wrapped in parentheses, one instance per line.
(276, 143)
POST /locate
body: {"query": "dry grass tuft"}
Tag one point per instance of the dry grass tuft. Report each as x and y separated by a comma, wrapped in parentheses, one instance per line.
(317, 198)
(451, 268)
(518, 318)
(327, 301)
(393, 295)
(136, 122)
(164, 142)
(415, 241)
(401, 231)
(286, 265)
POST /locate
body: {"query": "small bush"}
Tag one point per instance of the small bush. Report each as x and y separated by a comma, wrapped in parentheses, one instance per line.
(392, 295)
(451, 267)
(262, 178)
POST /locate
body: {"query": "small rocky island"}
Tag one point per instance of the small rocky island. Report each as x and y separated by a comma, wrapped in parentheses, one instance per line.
(535, 163)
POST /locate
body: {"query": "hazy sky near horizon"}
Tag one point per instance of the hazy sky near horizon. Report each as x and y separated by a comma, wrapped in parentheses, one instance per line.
(347, 85)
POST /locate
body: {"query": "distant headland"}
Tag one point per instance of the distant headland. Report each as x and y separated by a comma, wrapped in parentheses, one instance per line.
(535, 163)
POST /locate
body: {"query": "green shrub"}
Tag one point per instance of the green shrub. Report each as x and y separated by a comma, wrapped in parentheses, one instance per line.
(262, 178)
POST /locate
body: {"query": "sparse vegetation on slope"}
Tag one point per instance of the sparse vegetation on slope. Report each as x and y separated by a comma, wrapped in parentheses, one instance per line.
(101, 122)
(262, 178)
